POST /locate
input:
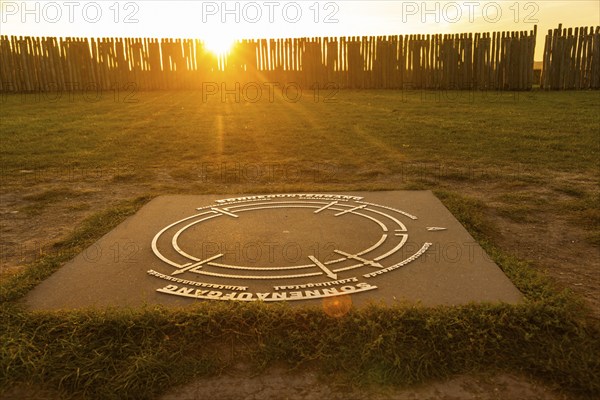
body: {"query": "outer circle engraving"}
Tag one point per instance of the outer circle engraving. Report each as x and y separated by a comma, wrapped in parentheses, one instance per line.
(190, 271)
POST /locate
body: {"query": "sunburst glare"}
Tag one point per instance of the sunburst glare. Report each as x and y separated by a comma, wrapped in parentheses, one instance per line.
(219, 45)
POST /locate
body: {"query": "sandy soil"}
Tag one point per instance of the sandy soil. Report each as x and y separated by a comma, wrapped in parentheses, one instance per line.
(280, 384)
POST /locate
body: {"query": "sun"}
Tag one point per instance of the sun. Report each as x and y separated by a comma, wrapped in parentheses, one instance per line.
(219, 44)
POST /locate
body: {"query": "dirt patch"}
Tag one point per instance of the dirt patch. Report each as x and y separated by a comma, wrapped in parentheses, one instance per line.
(559, 251)
(548, 237)
(278, 383)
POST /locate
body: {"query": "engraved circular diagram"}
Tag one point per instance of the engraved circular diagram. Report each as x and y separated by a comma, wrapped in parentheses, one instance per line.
(282, 248)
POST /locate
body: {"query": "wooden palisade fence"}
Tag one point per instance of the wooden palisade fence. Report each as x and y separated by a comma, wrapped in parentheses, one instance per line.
(497, 61)
(572, 59)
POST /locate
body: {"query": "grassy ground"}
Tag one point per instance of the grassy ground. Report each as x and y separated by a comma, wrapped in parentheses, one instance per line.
(519, 170)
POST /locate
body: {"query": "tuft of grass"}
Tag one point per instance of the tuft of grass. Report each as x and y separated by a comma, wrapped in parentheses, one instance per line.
(38, 201)
(570, 190)
(518, 213)
(184, 175)
(52, 195)
(140, 354)
(585, 212)
(470, 212)
(525, 197)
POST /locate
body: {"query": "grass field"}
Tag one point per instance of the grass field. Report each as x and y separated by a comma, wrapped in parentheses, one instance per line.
(519, 170)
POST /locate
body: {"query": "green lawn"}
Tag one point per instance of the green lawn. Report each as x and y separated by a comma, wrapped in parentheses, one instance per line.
(554, 131)
(507, 162)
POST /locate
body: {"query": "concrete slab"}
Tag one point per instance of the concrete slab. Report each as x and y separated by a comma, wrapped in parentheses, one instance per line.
(333, 249)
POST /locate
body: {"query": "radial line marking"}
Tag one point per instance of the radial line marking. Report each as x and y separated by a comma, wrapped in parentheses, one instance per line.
(435, 229)
(362, 260)
(351, 210)
(323, 267)
(199, 264)
(326, 207)
(224, 212)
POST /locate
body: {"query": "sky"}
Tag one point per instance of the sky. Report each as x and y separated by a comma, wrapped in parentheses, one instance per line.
(221, 22)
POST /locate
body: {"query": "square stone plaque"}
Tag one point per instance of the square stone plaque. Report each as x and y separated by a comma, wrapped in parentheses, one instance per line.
(301, 248)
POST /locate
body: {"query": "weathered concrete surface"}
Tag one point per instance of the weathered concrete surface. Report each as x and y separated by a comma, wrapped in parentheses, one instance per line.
(332, 249)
